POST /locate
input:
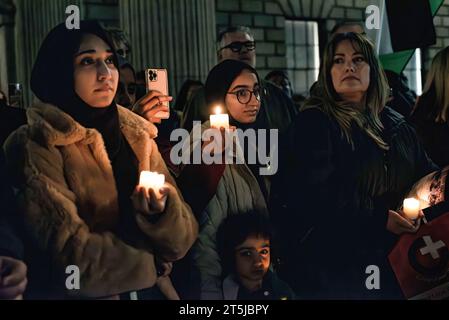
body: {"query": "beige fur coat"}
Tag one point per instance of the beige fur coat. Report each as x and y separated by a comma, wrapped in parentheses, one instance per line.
(68, 199)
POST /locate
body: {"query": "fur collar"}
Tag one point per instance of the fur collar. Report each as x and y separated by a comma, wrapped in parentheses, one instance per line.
(52, 126)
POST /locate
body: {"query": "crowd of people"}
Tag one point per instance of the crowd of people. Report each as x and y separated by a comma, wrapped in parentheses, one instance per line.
(349, 152)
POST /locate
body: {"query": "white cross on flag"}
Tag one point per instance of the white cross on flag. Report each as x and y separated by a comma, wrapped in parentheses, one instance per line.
(431, 247)
(421, 261)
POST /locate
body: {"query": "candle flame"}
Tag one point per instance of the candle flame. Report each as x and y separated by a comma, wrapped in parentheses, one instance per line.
(150, 179)
(217, 110)
(411, 207)
(411, 202)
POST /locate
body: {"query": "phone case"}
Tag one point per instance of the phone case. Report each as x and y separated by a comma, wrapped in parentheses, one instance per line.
(157, 79)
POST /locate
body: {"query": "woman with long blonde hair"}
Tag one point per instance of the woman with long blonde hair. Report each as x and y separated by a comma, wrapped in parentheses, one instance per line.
(431, 113)
(350, 160)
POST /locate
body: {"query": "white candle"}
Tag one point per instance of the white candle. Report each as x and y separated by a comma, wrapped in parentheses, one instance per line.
(411, 208)
(219, 120)
(152, 180)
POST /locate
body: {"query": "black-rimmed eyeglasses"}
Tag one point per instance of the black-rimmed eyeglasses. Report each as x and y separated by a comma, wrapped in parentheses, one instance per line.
(237, 46)
(245, 95)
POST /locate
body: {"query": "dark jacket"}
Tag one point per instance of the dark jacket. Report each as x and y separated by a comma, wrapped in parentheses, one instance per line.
(434, 136)
(335, 201)
(10, 119)
(272, 288)
(11, 244)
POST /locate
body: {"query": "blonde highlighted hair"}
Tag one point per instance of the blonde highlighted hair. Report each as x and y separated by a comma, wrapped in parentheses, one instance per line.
(324, 96)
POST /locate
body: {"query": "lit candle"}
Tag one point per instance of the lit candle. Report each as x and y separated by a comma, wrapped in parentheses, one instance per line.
(411, 208)
(219, 120)
(152, 180)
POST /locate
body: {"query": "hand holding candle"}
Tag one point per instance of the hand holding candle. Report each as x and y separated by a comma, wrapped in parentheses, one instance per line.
(219, 120)
(152, 180)
(407, 220)
(150, 196)
(411, 208)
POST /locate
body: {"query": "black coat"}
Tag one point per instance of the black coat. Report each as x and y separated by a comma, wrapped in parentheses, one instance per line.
(11, 118)
(10, 242)
(333, 201)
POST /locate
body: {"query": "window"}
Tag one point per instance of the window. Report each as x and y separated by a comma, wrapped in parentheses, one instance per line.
(303, 56)
(413, 72)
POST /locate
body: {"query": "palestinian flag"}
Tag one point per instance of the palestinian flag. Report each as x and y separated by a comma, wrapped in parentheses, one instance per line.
(405, 26)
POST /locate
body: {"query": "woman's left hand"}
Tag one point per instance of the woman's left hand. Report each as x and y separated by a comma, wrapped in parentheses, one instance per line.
(147, 202)
(397, 224)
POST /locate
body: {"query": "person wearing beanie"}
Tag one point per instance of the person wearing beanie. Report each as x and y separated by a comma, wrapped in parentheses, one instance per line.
(76, 167)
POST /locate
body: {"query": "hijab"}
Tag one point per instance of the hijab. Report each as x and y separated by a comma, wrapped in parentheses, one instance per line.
(52, 81)
(217, 85)
(219, 81)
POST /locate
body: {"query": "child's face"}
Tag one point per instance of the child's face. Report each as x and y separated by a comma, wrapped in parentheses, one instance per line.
(252, 258)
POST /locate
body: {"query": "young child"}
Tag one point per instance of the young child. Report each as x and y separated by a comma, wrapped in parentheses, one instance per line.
(244, 244)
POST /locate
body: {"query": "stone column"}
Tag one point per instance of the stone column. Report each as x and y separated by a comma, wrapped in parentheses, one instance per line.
(34, 19)
(7, 56)
(178, 35)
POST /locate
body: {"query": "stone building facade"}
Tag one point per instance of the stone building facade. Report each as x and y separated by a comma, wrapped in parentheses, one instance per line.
(267, 19)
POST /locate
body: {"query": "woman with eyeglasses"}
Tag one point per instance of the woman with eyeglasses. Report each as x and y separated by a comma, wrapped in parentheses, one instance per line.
(352, 161)
(76, 166)
(216, 191)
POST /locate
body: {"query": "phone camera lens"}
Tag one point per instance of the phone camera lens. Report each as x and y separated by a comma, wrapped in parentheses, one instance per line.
(152, 76)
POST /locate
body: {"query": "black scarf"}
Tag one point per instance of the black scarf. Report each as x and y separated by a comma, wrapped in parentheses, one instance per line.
(105, 120)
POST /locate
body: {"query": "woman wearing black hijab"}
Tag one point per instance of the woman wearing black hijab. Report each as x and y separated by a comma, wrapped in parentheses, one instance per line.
(220, 190)
(76, 165)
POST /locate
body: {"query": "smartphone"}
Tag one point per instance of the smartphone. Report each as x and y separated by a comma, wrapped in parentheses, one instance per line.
(157, 79)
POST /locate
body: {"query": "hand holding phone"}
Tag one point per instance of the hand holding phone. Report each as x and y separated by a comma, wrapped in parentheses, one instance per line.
(150, 105)
(157, 80)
